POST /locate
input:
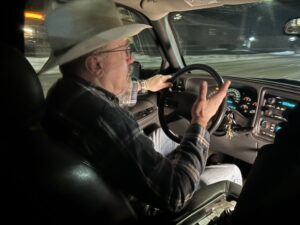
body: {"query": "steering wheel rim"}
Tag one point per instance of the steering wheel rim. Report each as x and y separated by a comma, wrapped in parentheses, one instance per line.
(218, 117)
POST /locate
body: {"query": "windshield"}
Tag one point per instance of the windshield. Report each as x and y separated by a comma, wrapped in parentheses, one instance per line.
(241, 40)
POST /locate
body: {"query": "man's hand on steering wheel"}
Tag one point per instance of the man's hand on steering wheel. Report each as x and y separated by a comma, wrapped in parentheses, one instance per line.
(155, 83)
(204, 109)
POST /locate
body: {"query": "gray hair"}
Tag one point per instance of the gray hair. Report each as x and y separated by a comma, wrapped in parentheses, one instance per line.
(77, 67)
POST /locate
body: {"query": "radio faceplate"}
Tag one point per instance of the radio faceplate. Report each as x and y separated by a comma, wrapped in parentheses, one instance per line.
(274, 110)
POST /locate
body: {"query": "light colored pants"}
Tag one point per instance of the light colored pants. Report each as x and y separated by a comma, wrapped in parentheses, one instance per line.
(211, 174)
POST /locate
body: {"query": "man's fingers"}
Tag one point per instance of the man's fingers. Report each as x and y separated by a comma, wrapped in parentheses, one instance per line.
(166, 77)
(167, 84)
(203, 91)
(225, 86)
(166, 81)
(220, 95)
(223, 90)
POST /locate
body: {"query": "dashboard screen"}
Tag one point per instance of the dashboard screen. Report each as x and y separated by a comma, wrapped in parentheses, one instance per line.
(286, 103)
(278, 107)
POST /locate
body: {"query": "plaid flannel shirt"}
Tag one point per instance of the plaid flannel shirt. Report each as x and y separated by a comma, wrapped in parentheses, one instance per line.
(90, 117)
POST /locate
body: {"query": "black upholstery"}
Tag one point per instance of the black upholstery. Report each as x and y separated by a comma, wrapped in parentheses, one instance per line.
(271, 193)
(69, 189)
(23, 96)
(201, 203)
(44, 181)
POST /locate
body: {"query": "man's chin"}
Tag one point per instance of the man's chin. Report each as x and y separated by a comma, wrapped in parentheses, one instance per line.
(128, 86)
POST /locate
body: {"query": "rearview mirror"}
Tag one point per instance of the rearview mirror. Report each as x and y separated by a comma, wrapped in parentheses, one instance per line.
(292, 27)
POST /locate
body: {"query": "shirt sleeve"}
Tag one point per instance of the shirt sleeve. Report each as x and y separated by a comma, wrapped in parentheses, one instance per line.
(187, 161)
(129, 160)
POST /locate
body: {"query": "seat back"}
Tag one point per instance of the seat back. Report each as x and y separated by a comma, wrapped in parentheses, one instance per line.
(45, 182)
(272, 189)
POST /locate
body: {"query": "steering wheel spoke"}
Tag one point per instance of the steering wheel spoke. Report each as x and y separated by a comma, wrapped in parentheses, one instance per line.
(171, 117)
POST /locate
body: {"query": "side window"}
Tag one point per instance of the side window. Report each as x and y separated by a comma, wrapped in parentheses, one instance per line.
(144, 48)
(37, 48)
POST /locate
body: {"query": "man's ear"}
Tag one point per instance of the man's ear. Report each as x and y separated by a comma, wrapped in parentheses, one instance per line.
(93, 65)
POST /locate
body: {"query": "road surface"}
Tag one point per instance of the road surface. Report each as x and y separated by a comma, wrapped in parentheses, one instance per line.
(284, 65)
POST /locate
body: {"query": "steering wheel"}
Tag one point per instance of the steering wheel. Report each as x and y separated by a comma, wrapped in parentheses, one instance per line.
(182, 102)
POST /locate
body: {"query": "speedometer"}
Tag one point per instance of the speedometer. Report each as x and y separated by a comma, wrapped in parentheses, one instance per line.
(234, 95)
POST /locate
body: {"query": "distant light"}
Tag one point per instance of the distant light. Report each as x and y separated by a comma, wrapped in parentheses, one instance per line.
(292, 39)
(177, 16)
(252, 38)
(34, 15)
(28, 30)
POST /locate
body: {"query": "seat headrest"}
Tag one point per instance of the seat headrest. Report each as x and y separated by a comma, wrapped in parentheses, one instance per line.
(22, 91)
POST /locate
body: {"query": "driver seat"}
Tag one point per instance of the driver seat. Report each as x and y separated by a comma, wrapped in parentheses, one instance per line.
(44, 181)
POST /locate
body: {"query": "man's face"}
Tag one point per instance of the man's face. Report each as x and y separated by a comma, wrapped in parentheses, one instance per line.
(116, 65)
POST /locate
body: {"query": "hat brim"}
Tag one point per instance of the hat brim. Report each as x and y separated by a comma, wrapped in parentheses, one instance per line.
(91, 44)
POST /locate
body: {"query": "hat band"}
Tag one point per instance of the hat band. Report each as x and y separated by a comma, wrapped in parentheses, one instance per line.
(62, 51)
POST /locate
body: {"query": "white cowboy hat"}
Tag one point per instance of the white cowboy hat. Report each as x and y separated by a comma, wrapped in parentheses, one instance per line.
(81, 26)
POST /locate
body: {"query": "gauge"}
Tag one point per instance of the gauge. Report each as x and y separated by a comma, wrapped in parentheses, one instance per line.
(234, 94)
(244, 107)
(247, 99)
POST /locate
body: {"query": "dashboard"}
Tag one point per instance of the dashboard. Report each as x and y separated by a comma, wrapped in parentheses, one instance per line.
(258, 106)
(274, 109)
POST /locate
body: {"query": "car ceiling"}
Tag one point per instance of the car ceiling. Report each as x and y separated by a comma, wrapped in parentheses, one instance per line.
(157, 9)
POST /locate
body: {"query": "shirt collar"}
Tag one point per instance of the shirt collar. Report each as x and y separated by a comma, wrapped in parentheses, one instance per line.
(110, 96)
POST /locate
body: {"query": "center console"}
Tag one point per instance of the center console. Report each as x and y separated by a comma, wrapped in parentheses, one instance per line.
(274, 110)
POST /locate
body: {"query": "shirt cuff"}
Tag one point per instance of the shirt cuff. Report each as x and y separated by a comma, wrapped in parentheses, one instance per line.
(199, 133)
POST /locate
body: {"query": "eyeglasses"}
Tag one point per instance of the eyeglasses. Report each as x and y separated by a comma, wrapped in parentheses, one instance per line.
(127, 50)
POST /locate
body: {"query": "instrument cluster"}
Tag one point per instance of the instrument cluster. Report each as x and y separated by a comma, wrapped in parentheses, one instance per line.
(243, 100)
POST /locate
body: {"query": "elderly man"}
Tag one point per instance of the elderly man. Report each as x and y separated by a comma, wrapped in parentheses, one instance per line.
(90, 44)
